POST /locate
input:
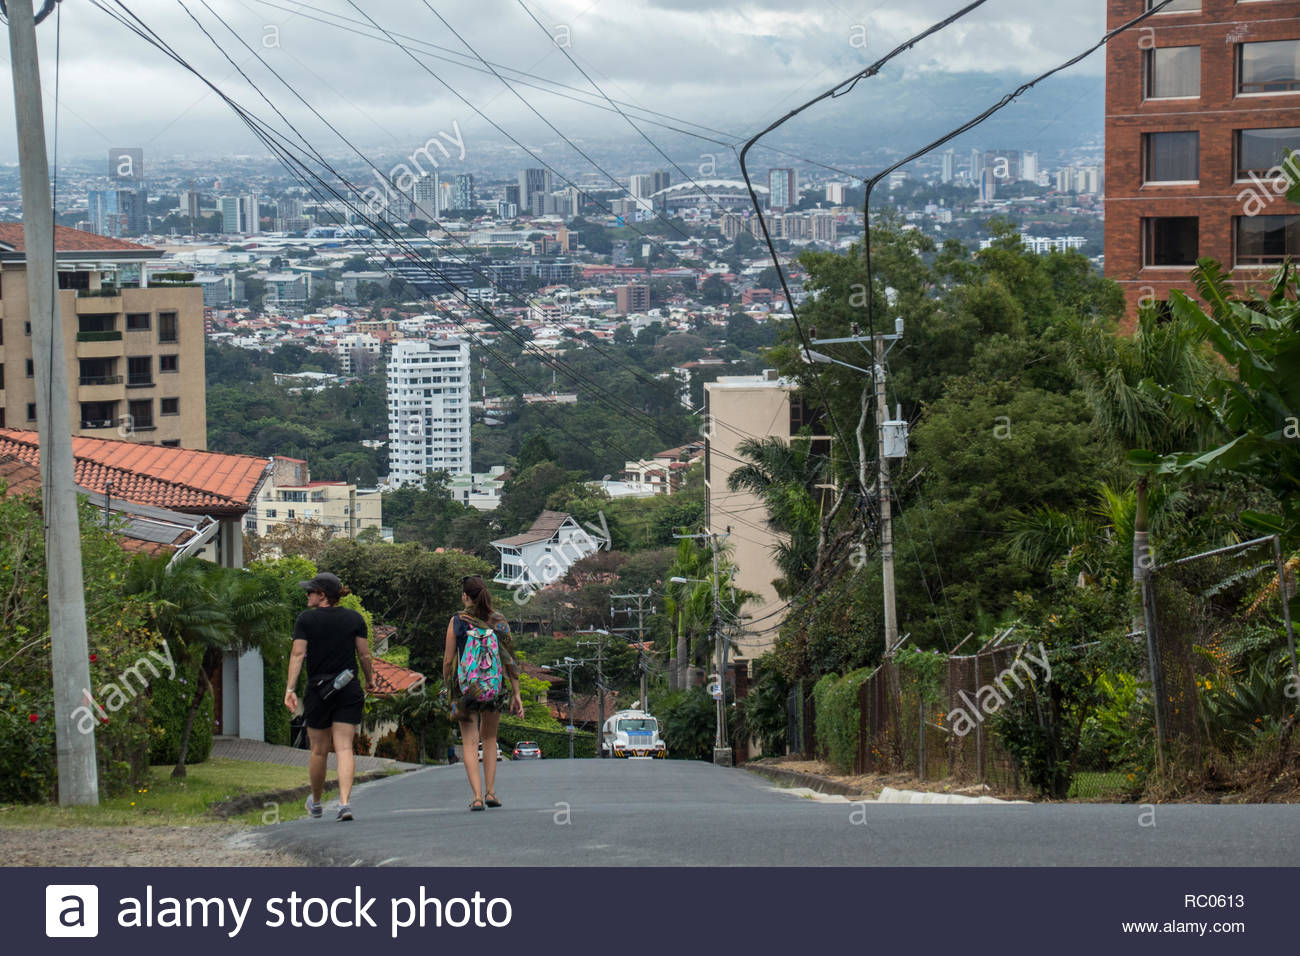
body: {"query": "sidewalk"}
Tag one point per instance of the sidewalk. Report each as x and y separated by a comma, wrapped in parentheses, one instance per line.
(235, 748)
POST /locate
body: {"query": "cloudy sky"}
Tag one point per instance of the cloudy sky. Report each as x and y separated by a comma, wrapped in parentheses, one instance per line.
(735, 66)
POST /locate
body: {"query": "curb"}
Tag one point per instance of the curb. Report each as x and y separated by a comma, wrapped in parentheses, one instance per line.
(254, 801)
(811, 781)
(890, 795)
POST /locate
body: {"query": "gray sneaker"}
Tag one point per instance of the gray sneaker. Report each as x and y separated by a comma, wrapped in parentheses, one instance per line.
(345, 812)
(314, 810)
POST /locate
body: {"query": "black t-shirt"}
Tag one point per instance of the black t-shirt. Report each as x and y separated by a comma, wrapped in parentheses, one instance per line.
(331, 634)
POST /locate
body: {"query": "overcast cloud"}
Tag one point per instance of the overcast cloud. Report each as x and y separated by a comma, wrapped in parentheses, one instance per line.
(731, 65)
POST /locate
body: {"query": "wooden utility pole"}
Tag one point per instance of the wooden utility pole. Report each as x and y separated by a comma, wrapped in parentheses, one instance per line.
(78, 774)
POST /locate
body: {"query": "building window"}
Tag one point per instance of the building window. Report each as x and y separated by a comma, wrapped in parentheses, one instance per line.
(74, 280)
(2, 376)
(270, 512)
(1173, 72)
(1267, 240)
(140, 414)
(139, 371)
(31, 369)
(1271, 67)
(169, 363)
(1178, 6)
(169, 406)
(1172, 241)
(290, 512)
(1173, 157)
(2, 416)
(137, 321)
(31, 411)
(98, 414)
(173, 443)
(1261, 151)
(168, 328)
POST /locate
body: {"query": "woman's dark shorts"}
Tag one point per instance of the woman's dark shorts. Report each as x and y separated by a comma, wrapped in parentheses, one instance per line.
(341, 707)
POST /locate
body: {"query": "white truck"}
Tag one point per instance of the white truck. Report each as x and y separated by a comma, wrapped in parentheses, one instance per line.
(633, 734)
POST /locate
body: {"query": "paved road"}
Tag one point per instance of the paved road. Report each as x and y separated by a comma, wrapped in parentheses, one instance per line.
(678, 813)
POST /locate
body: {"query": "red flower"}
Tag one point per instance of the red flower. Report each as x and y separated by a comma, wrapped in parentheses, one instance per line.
(33, 717)
(94, 658)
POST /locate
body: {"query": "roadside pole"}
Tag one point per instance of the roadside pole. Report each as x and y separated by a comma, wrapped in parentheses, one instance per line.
(599, 644)
(78, 774)
(642, 658)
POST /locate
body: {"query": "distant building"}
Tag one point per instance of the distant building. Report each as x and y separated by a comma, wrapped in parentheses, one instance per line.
(662, 474)
(633, 297)
(544, 553)
(463, 194)
(250, 212)
(783, 189)
(428, 409)
(290, 496)
(532, 182)
(425, 198)
(231, 209)
(988, 184)
(948, 170)
(287, 289)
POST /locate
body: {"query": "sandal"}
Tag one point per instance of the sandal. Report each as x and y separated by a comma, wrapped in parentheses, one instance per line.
(492, 801)
(476, 805)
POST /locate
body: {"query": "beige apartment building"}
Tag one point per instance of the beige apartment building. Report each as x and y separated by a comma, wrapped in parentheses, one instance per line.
(736, 408)
(134, 350)
(290, 495)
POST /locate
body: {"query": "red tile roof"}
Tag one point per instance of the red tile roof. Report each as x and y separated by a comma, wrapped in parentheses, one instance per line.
(19, 478)
(68, 240)
(391, 680)
(179, 479)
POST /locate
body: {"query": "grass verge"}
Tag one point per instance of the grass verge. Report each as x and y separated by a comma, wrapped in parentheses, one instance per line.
(177, 802)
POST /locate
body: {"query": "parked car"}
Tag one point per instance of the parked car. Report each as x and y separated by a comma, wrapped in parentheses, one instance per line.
(527, 750)
(501, 753)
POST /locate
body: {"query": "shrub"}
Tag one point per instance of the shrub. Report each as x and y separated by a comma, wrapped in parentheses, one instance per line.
(275, 664)
(553, 743)
(27, 766)
(839, 718)
(167, 710)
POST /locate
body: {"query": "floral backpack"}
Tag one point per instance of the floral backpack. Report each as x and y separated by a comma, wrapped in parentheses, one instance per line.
(479, 671)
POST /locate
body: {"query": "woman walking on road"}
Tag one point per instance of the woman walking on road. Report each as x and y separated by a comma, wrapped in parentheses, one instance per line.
(477, 664)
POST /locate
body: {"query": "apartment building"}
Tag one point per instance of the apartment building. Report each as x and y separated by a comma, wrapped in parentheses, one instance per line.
(428, 409)
(1202, 105)
(735, 408)
(290, 496)
(134, 350)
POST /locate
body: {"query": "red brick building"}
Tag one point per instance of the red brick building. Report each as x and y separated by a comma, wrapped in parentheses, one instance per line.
(1202, 104)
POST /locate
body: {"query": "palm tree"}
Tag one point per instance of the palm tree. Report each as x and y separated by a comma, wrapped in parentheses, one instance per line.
(188, 617)
(787, 478)
(690, 604)
(1117, 374)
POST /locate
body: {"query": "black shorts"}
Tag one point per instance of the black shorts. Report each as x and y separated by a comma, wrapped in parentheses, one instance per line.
(343, 706)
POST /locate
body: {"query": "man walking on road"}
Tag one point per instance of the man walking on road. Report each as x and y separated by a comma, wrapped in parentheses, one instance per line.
(330, 639)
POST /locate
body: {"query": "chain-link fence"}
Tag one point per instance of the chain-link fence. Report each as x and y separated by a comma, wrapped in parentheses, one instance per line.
(1222, 651)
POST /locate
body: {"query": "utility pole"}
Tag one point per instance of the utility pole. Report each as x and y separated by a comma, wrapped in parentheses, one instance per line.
(642, 661)
(891, 442)
(78, 774)
(886, 508)
(569, 665)
(599, 644)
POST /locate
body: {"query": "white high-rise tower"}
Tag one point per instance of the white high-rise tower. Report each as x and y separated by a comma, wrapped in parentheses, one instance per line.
(428, 409)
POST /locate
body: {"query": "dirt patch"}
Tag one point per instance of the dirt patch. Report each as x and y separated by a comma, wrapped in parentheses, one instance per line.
(218, 845)
(871, 784)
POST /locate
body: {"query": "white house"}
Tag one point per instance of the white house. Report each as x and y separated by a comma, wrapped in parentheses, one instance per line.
(544, 553)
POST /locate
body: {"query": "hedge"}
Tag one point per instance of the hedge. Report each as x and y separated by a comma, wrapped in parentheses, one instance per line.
(553, 743)
(275, 716)
(839, 717)
(167, 709)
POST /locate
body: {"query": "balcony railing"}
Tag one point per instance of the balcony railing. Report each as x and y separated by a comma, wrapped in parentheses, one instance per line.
(103, 292)
(100, 380)
(99, 423)
(136, 382)
(110, 335)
